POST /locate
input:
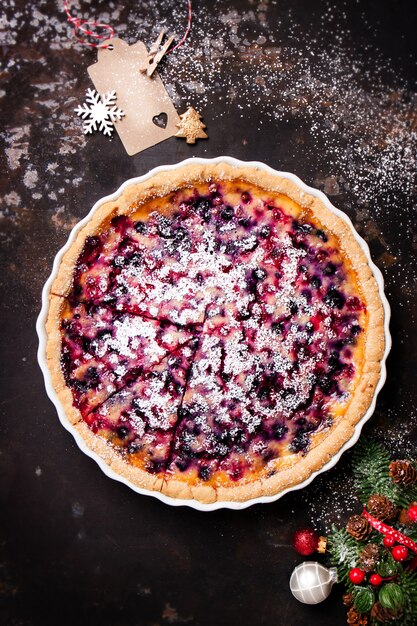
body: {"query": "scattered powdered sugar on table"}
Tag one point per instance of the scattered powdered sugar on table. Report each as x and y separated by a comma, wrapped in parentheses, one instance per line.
(368, 130)
(331, 498)
(363, 125)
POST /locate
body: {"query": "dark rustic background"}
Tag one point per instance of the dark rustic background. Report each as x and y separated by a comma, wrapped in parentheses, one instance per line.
(325, 90)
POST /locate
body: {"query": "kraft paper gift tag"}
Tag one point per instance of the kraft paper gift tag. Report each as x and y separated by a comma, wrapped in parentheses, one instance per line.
(150, 116)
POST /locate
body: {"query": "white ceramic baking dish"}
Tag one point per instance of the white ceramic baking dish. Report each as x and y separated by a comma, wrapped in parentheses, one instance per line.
(40, 327)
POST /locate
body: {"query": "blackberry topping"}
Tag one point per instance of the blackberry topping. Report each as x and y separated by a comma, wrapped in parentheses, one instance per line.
(306, 293)
(293, 307)
(334, 298)
(300, 443)
(335, 365)
(155, 466)
(184, 413)
(330, 269)
(182, 464)
(298, 227)
(203, 208)
(267, 455)
(327, 385)
(122, 432)
(92, 376)
(140, 227)
(264, 232)
(165, 229)
(119, 261)
(136, 259)
(90, 252)
(287, 393)
(231, 247)
(227, 213)
(251, 244)
(259, 273)
(204, 473)
(180, 233)
(120, 222)
(244, 315)
(278, 327)
(322, 235)
(79, 386)
(278, 431)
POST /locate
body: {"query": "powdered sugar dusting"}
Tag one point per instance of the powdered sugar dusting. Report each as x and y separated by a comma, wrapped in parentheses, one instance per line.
(275, 322)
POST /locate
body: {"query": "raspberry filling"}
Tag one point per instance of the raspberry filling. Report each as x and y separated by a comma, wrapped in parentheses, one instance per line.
(213, 336)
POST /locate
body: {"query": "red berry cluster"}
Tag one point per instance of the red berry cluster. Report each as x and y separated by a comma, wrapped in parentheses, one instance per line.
(399, 553)
(412, 513)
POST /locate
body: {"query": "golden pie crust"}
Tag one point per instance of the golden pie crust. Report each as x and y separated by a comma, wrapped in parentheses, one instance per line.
(285, 472)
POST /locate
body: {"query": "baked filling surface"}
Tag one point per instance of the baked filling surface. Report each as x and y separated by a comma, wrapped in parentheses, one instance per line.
(213, 336)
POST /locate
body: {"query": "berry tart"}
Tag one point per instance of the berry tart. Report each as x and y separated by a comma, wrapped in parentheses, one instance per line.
(215, 333)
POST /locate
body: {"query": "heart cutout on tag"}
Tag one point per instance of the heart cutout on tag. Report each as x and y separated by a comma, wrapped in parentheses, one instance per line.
(160, 120)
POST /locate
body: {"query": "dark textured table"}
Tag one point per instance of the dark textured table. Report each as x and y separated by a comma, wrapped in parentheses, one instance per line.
(323, 90)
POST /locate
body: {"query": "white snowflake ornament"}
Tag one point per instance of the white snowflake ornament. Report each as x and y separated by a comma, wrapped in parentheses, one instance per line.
(99, 112)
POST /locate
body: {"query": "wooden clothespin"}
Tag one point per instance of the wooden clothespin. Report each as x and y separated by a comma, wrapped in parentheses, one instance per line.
(155, 54)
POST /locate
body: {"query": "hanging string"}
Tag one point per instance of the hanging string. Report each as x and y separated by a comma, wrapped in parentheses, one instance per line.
(80, 25)
(187, 30)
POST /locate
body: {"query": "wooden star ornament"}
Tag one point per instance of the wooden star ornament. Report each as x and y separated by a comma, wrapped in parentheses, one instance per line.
(191, 126)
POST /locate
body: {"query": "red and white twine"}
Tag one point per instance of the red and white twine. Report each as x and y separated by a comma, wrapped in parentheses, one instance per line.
(187, 30)
(80, 26)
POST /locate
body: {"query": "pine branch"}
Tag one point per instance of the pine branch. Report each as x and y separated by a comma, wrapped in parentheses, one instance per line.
(343, 550)
(370, 469)
(407, 495)
(411, 532)
(371, 474)
(408, 583)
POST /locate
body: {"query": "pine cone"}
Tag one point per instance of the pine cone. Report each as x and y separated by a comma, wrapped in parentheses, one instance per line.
(359, 527)
(354, 618)
(369, 557)
(348, 599)
(381, 508)
(402, 472)
(383, 615)
(403, 518)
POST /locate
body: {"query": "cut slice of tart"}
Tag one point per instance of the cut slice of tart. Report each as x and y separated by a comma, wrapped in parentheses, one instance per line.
(101, 350)
(139, 421)
(132, 431)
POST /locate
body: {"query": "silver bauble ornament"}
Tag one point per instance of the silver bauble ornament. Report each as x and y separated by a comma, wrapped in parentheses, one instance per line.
(311, 582)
